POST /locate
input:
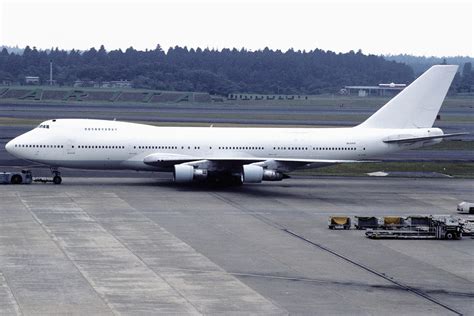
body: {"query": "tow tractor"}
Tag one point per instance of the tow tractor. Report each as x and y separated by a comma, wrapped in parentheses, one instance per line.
(26, 177)
(23, 177)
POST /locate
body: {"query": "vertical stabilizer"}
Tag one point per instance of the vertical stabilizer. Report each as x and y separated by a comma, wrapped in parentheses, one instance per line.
(418, 104)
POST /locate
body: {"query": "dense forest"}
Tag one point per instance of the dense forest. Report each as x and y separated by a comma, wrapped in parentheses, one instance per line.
(421, 63)
(214, 71)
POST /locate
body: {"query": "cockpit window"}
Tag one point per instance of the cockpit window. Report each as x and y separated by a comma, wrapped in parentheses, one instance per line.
(43, 126)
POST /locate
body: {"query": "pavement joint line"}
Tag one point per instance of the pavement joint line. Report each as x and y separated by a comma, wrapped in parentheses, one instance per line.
(370, 270)
(391, 280)
(219, 269)
(256, 214)
(73, 261)
(312, 280)
(55, 241)
(10, 293)
(137, 255)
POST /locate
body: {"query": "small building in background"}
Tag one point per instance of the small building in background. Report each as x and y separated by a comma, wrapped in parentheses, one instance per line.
(382, 90)
(5, 82)
(84, 83)
(261, 97)
(123, 84)
(33, 80)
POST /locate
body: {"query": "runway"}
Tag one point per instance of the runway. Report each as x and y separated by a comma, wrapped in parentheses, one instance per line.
(453, 118)
(146, 245)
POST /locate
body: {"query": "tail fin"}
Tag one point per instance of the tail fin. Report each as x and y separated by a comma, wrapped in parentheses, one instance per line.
(418, 104)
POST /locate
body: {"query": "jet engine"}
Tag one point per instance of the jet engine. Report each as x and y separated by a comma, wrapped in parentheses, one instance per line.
(255, 174)
(252, 173)
(187, 173)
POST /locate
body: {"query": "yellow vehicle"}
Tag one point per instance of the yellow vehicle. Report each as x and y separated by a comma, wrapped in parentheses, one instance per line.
(339, 222)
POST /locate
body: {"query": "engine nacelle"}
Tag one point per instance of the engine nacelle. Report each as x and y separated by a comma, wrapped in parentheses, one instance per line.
(187, 173)
(252, 173)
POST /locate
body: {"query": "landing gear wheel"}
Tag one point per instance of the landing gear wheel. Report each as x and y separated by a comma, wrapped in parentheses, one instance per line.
(56, 175)
(450, 235)
(57, 180)
(16, 179)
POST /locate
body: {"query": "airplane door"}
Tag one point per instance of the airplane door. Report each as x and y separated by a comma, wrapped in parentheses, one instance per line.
(361, 150)
(70, 148)
(132, 150)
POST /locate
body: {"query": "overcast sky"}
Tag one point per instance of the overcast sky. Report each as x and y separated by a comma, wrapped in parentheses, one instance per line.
(419, 27)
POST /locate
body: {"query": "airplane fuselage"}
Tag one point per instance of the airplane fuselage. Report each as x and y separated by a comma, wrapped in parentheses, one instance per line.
(100, 144)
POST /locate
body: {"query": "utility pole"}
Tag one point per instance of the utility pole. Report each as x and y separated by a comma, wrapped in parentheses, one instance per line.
(50, 72)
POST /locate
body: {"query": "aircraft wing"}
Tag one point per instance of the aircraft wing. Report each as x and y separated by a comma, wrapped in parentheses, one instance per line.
(164, 160)
(407, 139)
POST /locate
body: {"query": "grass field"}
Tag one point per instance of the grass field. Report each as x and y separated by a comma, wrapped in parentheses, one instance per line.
(463, 170)
(314, 100)
(451, 145)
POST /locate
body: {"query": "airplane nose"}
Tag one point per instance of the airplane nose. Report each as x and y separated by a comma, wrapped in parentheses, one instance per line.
(9, 146)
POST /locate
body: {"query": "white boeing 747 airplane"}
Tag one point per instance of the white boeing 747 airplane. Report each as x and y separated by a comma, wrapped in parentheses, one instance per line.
(239, 155)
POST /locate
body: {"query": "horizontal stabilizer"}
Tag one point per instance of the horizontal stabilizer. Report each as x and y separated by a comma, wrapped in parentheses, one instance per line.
(420, 139)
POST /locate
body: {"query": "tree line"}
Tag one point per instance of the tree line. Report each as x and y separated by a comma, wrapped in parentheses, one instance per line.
(208, 70)
(463, 81)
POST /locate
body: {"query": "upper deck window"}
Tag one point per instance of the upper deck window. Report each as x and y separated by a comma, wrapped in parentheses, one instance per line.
(100, 129)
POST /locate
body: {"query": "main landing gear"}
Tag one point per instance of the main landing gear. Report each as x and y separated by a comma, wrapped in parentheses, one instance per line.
(56, 176)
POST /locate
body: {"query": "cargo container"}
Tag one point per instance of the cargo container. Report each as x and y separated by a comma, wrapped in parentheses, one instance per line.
(339, 222)
(365, 222)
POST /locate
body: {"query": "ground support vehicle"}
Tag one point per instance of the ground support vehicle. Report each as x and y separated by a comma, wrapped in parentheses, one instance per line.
(438, 228)
(23, 177)
(465, 208)
(339, 222)
(467, 225)
(367, 222)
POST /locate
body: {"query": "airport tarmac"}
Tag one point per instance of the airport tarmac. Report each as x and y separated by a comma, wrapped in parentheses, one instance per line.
(146, 245)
